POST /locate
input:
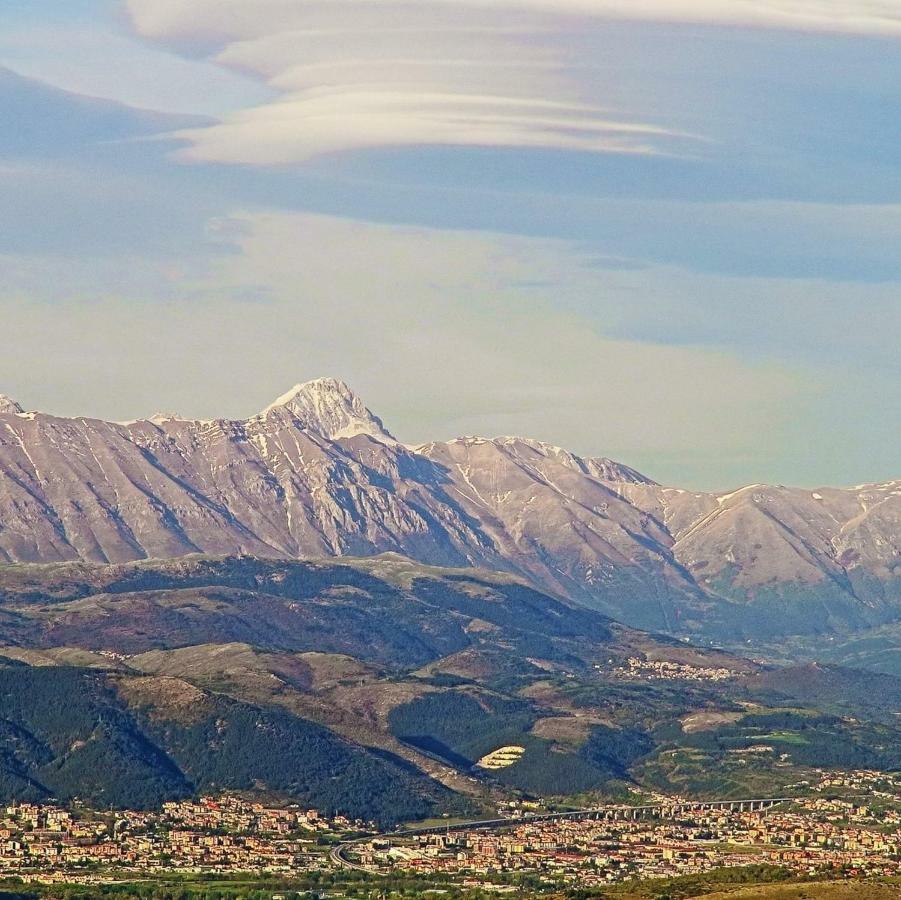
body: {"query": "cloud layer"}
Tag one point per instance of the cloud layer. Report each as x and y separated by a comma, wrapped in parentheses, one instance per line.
(236, 18)
(430, 326)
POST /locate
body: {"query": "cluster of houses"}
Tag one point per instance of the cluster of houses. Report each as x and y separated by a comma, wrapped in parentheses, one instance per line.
(859, 835)
(47, 843)
(662, 670)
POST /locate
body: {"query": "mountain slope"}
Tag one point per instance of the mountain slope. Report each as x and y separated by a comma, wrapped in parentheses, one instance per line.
(385, 611)
(273, 677)
(128, 740)
(318, 474)
(289, 670)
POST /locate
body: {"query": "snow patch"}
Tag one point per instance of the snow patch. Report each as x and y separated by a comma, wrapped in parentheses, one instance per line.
(723, 498)
(8, 406)
(161, 418)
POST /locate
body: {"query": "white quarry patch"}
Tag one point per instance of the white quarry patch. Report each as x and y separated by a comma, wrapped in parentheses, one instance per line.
(502, 758)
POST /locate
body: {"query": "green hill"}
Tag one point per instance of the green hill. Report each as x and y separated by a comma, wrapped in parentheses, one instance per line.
(122, 741)
(374, 687)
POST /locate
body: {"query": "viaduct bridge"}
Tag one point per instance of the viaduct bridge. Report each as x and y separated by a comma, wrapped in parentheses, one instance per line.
(669, 810)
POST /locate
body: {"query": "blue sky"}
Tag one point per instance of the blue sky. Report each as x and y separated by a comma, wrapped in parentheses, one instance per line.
(668, 232)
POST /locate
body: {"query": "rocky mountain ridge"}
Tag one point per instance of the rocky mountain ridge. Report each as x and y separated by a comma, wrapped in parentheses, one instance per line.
(318, 474)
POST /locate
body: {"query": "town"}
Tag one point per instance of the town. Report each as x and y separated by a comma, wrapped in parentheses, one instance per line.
(856, 836)
(663, 670)
(847, 825)
(47, 844)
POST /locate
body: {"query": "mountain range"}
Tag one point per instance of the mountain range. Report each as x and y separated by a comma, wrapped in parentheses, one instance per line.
(317, 474)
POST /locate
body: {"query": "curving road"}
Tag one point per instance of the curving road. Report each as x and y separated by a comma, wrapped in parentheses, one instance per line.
(336, 855)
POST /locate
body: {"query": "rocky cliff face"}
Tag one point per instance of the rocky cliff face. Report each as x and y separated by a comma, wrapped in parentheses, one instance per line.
(317, 474)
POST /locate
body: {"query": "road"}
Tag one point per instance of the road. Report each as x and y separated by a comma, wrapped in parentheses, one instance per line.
(339, 858)
(603, 812)
(336, 855)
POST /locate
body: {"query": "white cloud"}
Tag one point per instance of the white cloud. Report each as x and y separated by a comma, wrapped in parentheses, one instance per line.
(353, 75)
(304, 126)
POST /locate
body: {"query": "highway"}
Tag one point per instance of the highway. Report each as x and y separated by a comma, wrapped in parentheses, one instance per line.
(612, 813)
(663, 810)
(336, 855)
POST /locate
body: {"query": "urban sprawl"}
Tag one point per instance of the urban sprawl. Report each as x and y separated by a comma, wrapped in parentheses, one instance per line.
(848, 825)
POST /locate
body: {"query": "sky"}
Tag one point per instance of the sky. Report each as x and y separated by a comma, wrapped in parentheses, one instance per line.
(664, 231)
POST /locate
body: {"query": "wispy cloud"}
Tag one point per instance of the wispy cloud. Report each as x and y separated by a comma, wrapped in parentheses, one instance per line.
(433, 327)
(303, 126)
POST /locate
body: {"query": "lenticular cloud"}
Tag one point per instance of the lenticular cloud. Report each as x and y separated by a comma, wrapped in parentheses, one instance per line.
(355, 74)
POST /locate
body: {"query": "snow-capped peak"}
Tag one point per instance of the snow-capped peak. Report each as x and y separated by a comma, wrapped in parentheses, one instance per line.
(328, 407)
(8, 406)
